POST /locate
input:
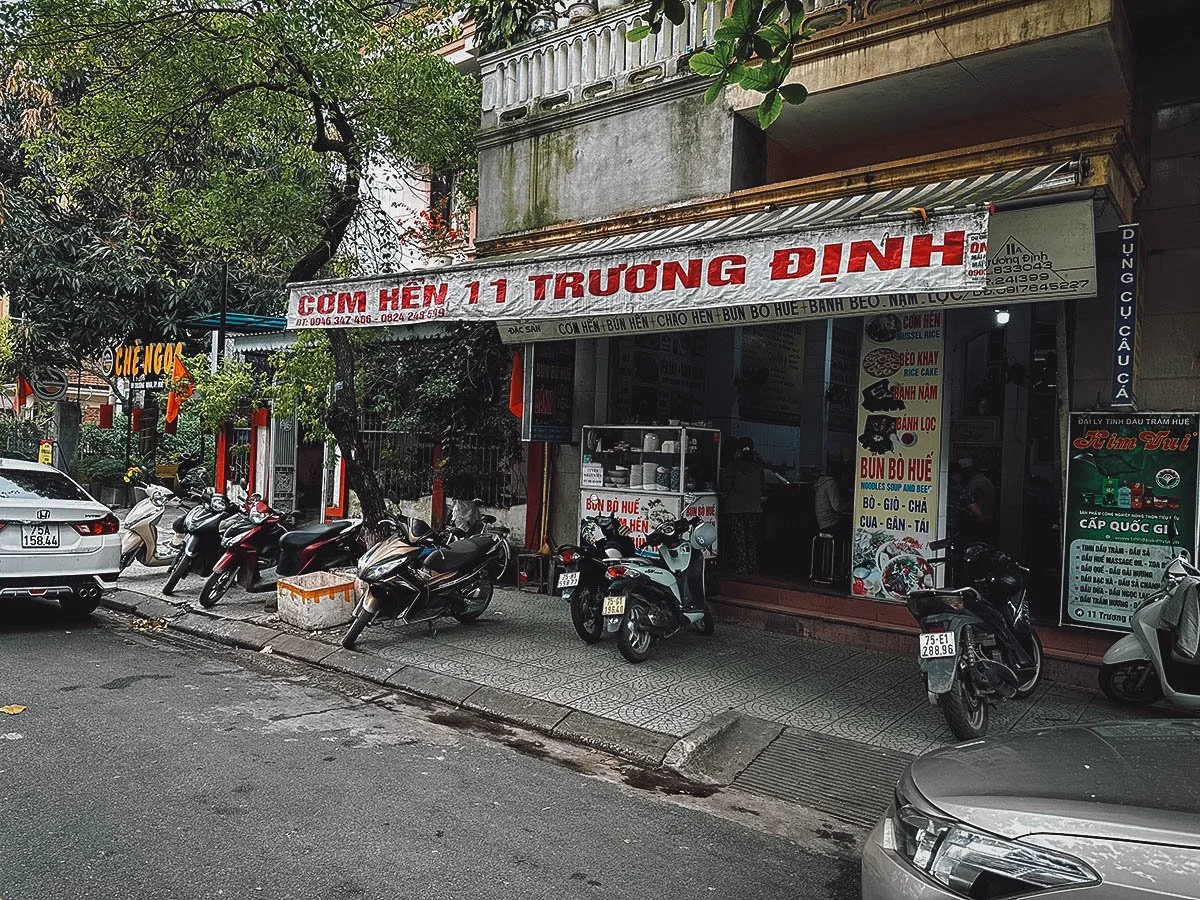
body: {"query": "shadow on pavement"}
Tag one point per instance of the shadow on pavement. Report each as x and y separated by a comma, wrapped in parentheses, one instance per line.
(32, 615)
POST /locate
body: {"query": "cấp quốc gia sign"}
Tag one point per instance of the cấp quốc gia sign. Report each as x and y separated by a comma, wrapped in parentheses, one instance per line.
(947, 253)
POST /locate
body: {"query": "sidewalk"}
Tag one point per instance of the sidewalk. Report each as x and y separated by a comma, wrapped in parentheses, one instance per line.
(525, 646)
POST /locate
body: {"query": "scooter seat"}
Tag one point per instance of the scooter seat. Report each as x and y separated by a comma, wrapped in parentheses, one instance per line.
(459, 555)
(311, 534)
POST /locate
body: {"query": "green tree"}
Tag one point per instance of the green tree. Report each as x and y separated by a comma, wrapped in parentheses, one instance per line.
(246, 128)
(754, 48)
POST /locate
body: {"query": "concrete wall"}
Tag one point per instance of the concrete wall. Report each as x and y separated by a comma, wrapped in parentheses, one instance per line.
(1169, 213)
(607, 159)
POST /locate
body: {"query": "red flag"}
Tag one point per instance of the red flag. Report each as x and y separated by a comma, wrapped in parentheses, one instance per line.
(135, 423)
(106, 415)
(24, 392)
(185, 387)
(516, 386)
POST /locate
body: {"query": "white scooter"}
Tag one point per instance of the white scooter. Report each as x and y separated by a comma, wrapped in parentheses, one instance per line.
(139, 534)
(651, 599)
(1143, 667)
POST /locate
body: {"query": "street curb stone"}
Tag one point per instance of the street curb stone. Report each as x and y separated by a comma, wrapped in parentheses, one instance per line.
(638, 744)
(704, 733)
(722, 747)
(153, 608)
(360, 665)
(303, 649)
(234, 634)
(541, 715)
(432, 684)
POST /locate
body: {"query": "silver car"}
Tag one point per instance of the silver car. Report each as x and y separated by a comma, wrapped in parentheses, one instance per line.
(1095, 812)
(55, 540)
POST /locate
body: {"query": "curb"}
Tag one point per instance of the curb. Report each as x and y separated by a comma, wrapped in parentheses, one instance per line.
(641, 746)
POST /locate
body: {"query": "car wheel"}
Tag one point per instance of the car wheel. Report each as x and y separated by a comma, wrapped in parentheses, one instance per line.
(966, 712)
(585, 614)
(1131, 683)
(79, 606)
(1029, 685)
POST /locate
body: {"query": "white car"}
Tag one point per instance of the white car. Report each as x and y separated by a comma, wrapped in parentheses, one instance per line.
(55, 540)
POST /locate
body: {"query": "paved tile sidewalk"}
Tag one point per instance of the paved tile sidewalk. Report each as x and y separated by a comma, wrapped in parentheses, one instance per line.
(525, 644)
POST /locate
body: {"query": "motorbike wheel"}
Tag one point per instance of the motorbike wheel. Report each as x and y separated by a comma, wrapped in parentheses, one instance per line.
(966, 712)
(708, 624)
(127, 559)
(1027, 687)
(1131, 683)
(178, 572)
(474, 614)
(585, 614)
(361, 620)
(634, 643)
(216, 586)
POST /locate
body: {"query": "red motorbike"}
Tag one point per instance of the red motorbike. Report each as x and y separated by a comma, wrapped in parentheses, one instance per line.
(259, 549)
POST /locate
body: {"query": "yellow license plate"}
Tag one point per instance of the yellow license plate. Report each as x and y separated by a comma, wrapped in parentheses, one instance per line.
(614, 606)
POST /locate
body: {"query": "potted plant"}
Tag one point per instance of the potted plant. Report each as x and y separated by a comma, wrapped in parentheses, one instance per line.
(434, 237)
(581, 9)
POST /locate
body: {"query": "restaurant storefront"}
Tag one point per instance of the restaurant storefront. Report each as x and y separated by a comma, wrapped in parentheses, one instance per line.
(884, 338)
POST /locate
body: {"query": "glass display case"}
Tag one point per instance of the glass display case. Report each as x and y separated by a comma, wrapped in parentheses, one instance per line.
(645, 475)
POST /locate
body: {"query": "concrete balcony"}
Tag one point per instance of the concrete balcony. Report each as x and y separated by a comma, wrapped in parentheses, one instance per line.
(590, 61)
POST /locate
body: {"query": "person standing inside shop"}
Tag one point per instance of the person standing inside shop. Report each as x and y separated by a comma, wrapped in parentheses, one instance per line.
(832, 514)
(743, 482)
(977, 505)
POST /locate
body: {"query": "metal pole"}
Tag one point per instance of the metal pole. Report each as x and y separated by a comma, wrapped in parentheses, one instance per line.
(224, 309)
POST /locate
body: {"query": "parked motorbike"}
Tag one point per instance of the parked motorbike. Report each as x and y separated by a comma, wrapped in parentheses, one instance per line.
(140, 537)
(977, 645)
(412, 577)
(1144, 665)
(584, 568)
(652, 599)
(201, 532)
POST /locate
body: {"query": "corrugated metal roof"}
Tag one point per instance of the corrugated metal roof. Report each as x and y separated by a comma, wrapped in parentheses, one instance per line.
(933, 198)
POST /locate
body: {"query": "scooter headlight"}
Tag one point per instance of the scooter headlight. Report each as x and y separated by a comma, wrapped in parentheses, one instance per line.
(972, 863)
(380, 571)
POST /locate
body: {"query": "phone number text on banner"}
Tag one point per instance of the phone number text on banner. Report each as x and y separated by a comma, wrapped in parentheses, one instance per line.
(948, 253)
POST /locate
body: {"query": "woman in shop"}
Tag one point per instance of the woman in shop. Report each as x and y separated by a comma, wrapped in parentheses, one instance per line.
(744, 482)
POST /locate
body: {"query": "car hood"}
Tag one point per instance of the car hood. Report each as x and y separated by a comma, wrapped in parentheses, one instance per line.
(1124, 780)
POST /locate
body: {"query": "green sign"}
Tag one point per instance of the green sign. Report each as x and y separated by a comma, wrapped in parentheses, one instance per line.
(1129, 475)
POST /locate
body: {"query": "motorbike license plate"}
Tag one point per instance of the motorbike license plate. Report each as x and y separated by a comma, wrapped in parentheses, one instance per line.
(568, 579)
(37, 537)
(937, 645)
(614, 606)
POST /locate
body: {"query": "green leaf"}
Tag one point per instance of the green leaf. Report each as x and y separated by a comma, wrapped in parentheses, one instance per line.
(753, 79)
(794, 93)
(638, 33)
(775, 35)
(739, 16)
(763, 47)
(714, 90)
(675, 11)
(771, 12)
(728, 32)
(706, 63)
(769, 110)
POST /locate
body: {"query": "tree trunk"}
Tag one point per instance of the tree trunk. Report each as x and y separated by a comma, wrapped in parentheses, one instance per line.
(343, 422)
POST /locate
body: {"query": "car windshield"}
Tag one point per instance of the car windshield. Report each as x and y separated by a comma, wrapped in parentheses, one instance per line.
(35, 484)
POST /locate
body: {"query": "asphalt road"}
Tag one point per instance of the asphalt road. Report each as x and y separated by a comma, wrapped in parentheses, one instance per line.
(146, 766)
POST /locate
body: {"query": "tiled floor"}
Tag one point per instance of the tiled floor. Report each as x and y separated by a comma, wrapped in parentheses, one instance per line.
(525, 643)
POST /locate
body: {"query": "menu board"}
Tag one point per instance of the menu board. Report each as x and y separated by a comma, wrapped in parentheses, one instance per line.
(1129, 475)
(771, 385)
(550, 390)
(899, 447)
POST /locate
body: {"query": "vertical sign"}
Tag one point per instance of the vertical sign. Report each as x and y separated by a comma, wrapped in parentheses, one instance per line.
(46, 453)
(549, 392)
(1129, 475)
(1125, 331)
(899, 423)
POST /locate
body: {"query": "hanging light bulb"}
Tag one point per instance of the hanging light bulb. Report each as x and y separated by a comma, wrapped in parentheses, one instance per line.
(1002, 316)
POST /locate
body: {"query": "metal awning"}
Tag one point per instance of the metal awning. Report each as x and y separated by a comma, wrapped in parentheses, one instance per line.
(995, 187)
(282, 340)
(238, 323)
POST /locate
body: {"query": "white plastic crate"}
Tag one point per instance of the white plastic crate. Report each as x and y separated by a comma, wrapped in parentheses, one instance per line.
(316, 600)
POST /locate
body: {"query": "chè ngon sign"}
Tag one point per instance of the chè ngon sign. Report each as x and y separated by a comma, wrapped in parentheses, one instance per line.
(948, 253)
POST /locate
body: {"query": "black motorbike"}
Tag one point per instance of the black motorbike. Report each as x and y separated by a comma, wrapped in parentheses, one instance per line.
(201, 531)
(977, 644)
(584, 567)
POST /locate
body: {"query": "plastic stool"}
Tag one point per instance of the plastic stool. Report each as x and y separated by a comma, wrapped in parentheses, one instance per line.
(825, 545)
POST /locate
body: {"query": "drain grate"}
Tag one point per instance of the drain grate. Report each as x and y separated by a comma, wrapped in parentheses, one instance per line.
(841, 778)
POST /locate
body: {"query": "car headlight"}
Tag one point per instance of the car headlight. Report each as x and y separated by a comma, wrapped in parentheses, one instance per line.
(972, 863)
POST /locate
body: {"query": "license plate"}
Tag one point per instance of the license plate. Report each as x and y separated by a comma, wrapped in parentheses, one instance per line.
(568, 579)
(937, 645)
(614, 606)
(36, 537)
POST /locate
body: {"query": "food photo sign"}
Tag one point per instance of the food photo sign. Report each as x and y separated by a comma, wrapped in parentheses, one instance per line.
(895, 509)
(1128, 476)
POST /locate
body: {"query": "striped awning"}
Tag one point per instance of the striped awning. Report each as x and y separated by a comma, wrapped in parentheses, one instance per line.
(282, 340)
(995, 187)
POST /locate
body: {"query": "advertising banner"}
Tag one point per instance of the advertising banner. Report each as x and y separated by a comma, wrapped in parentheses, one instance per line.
(823, 268)
(1129, 475)
(549, 392)
(1125, 327)
(641, 513)
(1041, 253)
(895, 512)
